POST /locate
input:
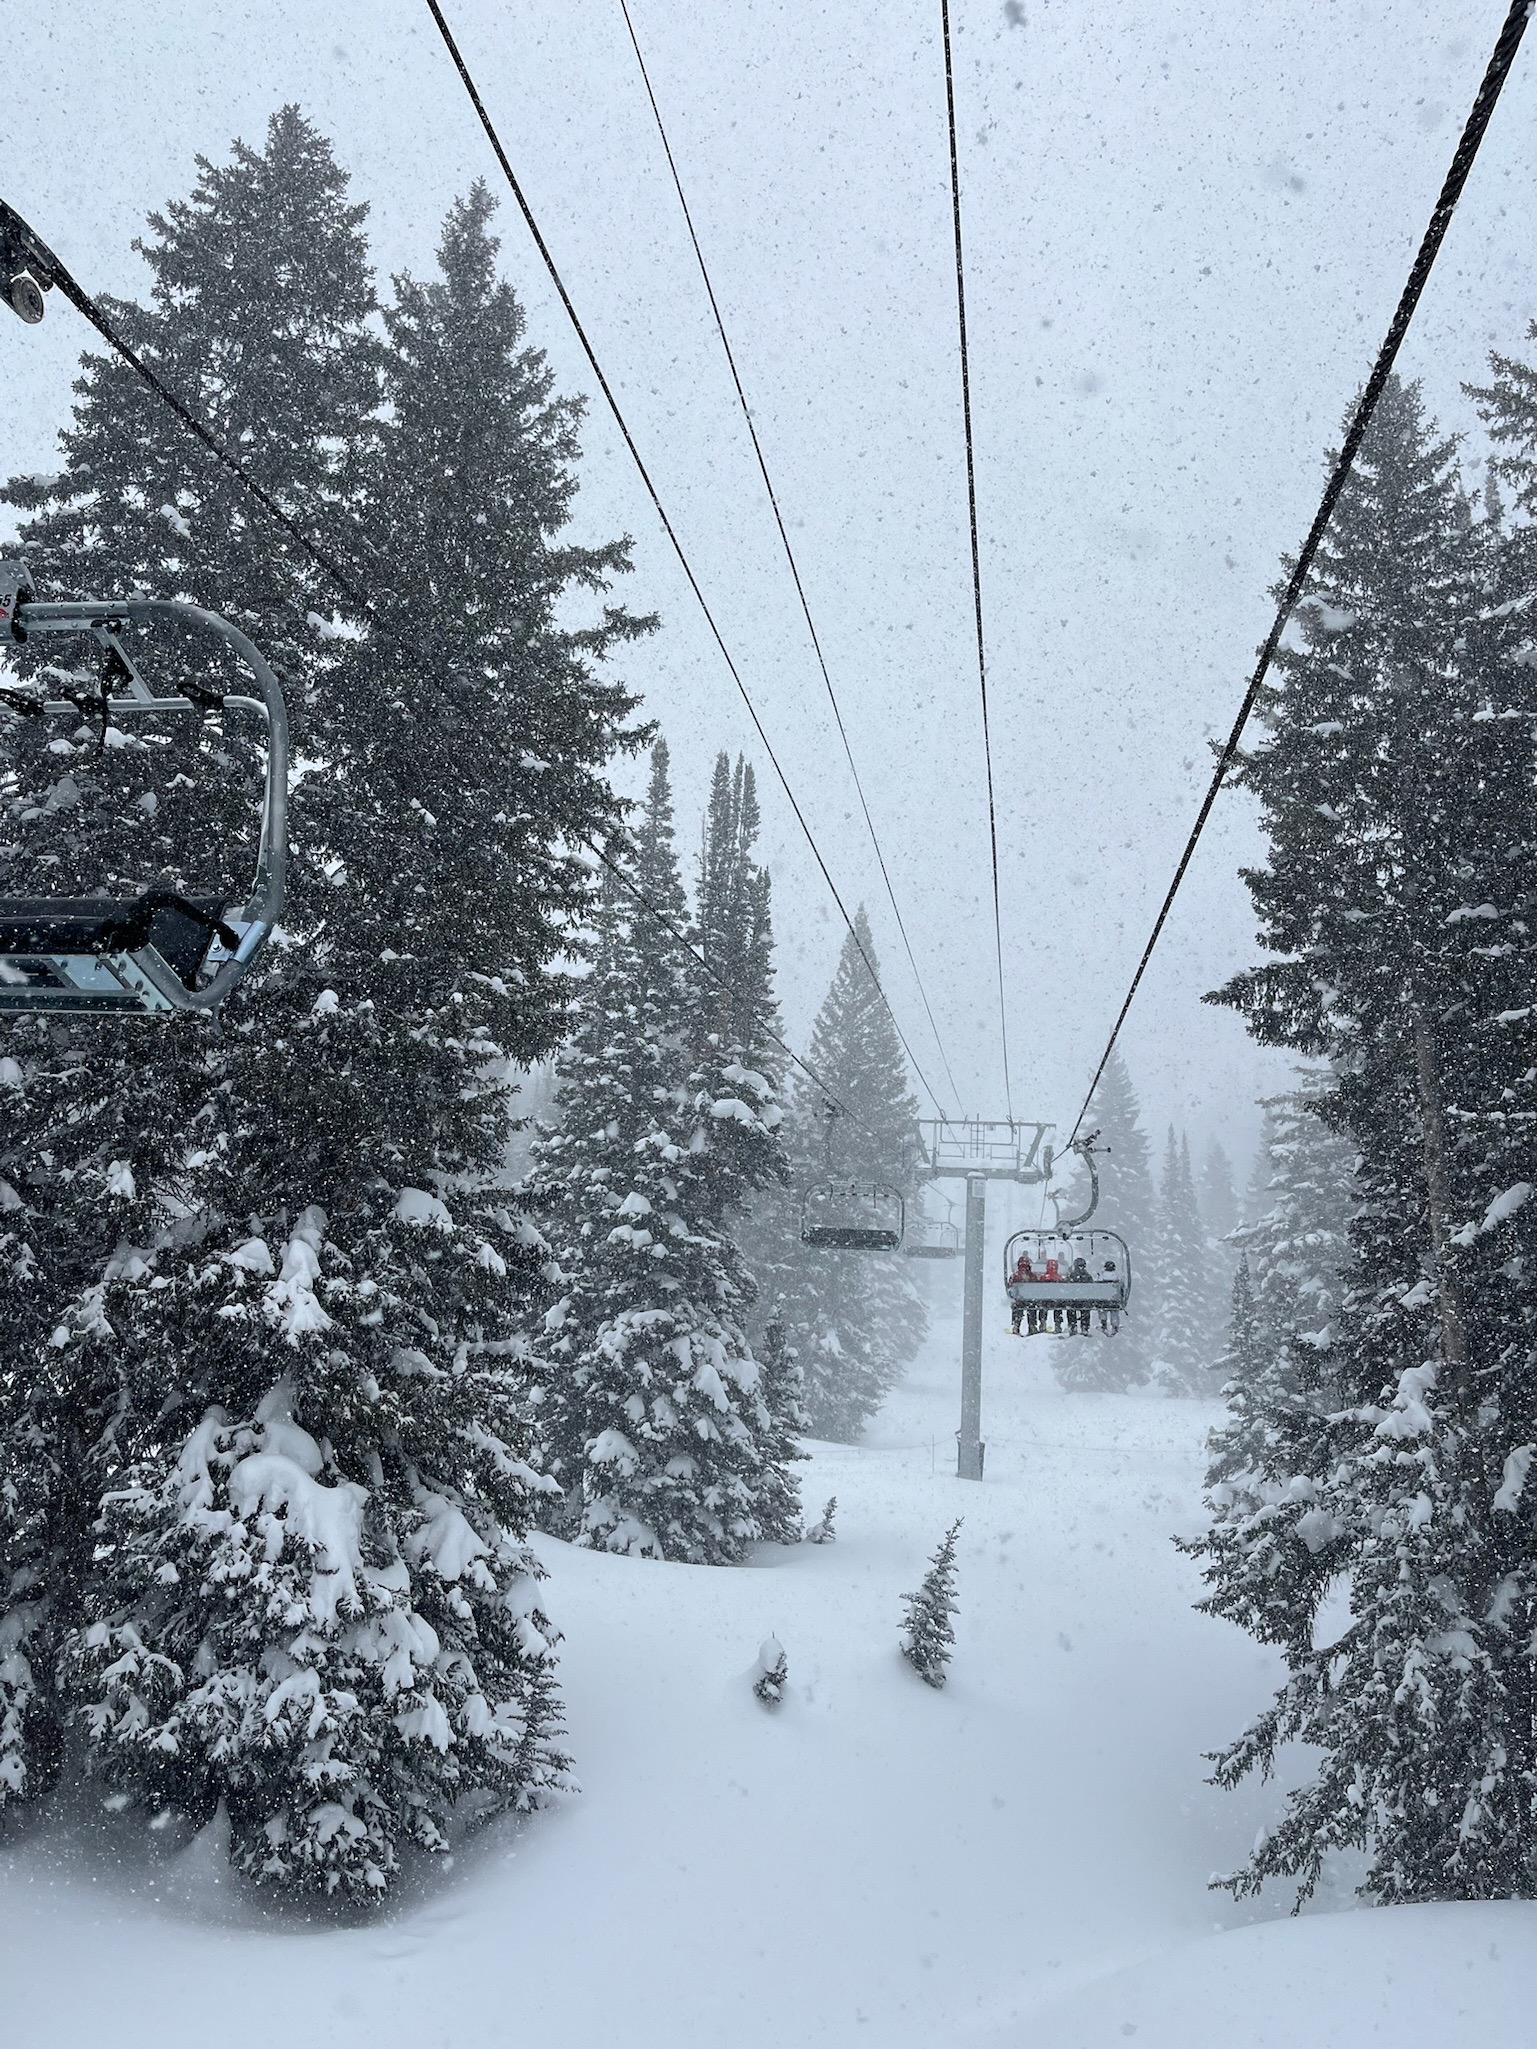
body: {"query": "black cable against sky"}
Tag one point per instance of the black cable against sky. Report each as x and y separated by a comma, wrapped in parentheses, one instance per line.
(661, 512)
(48, 269)
(39, 257)
(976, 553)
(773, 498)
(1504, 56)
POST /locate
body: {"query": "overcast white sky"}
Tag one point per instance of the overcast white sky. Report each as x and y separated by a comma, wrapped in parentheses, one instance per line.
(1187, 224)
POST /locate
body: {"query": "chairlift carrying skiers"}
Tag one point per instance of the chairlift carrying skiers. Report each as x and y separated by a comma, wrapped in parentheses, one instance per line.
(1068, 1273)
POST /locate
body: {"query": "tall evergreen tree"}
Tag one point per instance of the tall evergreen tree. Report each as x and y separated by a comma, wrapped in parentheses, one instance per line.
(1395, 775)
(141, 505)
(1128, 1204)
(855, 1318)
(1185, 1346)
(1508, 407)
(1298, 1242)
(1280, 1373)
(1217, 1203)
(784, 1396)
(1218, 1197)
(305, 1346)
(660, 1419)
(734, 1016)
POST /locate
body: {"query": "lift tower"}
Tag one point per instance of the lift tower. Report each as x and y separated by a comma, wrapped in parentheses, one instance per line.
(977, 1150)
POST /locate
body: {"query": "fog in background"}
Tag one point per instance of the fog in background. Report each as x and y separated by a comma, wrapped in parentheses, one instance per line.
(1186, 226)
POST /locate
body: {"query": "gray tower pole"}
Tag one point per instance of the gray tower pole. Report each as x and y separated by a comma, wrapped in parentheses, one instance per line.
(970, 1448)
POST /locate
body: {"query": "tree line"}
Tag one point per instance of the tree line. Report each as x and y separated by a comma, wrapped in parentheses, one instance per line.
(290, 1369)
(1372, 1514)
(293, 1365)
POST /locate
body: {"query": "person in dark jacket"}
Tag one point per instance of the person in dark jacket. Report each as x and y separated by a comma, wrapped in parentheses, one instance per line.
(1078, 1312)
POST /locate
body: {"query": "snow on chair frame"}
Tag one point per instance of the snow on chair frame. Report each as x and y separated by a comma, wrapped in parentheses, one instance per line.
(157, 952)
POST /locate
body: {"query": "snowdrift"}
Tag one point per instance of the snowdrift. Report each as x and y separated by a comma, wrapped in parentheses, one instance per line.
(1434, 1977)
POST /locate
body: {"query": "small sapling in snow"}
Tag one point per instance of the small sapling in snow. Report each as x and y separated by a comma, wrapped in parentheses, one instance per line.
(773, 1665)
(927, 1637)
(823, 1532)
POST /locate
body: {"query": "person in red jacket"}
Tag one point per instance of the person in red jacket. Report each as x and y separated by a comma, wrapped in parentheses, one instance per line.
(1023, 1271)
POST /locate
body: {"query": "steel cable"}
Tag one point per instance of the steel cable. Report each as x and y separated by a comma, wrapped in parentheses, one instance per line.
(784, 537)
(652, 493)
(976, 553)
(1505, 48)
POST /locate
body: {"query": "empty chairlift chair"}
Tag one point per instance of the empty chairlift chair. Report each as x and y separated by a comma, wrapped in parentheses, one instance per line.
(157, 951)
(853, 1216)
(931, 1238)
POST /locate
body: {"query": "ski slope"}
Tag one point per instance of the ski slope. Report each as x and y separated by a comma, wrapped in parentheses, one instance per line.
(1018, 1860)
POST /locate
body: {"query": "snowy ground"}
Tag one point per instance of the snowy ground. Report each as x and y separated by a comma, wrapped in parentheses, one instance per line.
(1019, 1860)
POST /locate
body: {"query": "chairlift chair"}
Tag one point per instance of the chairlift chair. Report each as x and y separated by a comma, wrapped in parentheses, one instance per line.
(932, 1238)
(159, 951)
(853, 1216)
(1066, 1245)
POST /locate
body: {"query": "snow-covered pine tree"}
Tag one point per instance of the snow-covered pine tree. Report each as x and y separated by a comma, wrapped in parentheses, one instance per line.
(1129, 1205)
(1185, 1344)
(1395, 775)
(784, 1389)
(772, 1674)
(855, 1318)
(318, 1468)
(928, 1633)
(618, 1093)
(110, 1125)
(1298, 1243)
(1217, 1202)
(1507, 406)
(1278, 1371)
(737, 1149)
(1217, 1195)
(1243, 1354)
(659, 1417)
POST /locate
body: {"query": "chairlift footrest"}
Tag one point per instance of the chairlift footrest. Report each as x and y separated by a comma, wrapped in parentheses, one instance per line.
(68, 954)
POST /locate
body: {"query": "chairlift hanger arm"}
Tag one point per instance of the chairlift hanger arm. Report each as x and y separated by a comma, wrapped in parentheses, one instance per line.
(28, 267)
(1084, 1148)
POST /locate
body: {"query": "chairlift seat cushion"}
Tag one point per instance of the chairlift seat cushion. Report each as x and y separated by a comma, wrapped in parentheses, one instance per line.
(42, 927)
(852, 1237)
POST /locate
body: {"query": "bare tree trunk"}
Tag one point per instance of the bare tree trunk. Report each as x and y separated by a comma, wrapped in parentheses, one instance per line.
(1438, 1202)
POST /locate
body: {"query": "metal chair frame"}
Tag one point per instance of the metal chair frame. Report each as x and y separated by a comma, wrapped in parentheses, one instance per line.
(1076, 1294)
(849, 1237)
(94, 972)
(945, 1242)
